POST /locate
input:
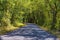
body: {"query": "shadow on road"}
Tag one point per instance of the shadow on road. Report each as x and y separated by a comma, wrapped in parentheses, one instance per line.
(29, 32)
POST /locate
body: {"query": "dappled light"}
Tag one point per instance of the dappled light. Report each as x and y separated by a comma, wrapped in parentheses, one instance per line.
(15, 14)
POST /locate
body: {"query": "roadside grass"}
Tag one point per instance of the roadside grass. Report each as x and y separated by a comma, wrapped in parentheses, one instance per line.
(56, 33)
(6, 29)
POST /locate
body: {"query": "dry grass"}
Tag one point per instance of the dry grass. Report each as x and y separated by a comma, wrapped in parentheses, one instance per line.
(51, 31)
(9, 28)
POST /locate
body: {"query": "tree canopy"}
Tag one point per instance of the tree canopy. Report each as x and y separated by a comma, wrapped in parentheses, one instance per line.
(45, 13)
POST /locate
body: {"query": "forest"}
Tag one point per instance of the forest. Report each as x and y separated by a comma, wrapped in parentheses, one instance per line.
(45, 13)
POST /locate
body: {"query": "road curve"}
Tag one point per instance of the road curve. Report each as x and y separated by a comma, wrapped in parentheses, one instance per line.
(28, 32)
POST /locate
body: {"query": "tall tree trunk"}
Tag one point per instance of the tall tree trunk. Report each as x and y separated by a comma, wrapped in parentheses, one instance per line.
(54, 16)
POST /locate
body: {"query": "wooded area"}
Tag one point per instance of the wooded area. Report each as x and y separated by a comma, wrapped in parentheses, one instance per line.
(45, 13)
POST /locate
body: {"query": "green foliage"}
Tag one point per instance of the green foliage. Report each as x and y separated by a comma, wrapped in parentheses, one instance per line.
(42, 12)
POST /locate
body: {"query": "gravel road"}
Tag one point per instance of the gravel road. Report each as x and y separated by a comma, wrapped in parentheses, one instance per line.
(28, 32)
